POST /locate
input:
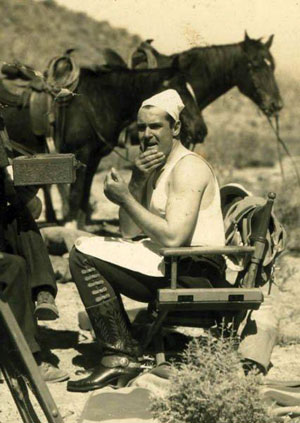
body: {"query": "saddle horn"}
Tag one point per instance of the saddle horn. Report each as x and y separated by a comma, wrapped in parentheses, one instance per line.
(69, 51)
(151, 59)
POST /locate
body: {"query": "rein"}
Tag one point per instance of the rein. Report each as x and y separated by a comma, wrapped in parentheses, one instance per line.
(276, 131)
(284, 146)
(256, 86)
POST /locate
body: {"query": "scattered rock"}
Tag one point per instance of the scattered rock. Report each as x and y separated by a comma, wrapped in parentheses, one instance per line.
(60, 240)
(61, 268)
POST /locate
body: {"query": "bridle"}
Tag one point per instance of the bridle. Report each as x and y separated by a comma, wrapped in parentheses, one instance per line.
(250, 66)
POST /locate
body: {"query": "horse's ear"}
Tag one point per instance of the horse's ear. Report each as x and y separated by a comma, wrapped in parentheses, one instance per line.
(269, 42)
(149, 41)
(247, 38)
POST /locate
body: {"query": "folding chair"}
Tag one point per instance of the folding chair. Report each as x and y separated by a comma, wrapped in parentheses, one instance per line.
(202, 307)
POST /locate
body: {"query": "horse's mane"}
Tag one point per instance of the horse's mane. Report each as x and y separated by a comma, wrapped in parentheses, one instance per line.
(100, 70)
(100, 77)
(209, 59)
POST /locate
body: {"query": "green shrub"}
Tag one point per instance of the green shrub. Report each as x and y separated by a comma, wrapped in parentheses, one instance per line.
(210, 387)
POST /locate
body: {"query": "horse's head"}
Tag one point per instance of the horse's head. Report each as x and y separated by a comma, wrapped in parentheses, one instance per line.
(193, 128)
(256, 75)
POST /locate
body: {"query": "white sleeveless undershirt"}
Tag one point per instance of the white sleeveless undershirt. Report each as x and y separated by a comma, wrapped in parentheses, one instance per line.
(209, 228)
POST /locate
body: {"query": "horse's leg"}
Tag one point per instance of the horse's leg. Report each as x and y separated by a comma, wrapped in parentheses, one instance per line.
(63, 190)
(49, 210)
(80, 190)
(75, 196)
(85, 209)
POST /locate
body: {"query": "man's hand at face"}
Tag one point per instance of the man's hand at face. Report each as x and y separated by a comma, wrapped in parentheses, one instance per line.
(149, 160)
(115, 188)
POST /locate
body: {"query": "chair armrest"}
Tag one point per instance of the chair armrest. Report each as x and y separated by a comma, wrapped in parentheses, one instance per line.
(195, 251)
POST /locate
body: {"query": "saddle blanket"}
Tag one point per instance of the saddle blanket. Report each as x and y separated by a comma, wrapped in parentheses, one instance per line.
(140, 256)
(130, 404)
(125, 405)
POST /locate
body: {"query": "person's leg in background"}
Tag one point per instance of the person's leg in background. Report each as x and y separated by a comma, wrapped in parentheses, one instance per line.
(259, 333)
(16, 291)
(26, 241)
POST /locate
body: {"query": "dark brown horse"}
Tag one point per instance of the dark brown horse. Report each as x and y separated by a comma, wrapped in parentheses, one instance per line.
(212, 71)
(105, 100)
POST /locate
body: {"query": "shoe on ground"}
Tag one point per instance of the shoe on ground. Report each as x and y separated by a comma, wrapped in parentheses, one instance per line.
(52, 374)
(46, 308)
(112, 370)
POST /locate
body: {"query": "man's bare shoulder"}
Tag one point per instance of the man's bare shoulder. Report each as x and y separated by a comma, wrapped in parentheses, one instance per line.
(192, 169)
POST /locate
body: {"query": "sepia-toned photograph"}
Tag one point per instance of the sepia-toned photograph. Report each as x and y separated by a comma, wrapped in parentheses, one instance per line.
(149, 211)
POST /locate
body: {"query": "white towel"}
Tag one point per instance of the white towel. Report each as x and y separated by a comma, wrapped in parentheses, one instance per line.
(140, 256)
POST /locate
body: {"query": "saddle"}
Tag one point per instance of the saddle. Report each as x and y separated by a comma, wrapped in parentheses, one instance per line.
(142, 57)
(22, 86)
(241, 214)
(17, 83)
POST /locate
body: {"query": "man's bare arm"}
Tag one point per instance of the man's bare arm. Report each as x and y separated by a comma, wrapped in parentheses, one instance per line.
(137, 187)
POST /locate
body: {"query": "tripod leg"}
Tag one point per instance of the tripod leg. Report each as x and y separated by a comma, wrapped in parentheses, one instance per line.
(19, 392)
(39, 387)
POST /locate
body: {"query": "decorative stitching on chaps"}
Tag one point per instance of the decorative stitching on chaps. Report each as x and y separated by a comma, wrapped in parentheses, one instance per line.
(106, 314)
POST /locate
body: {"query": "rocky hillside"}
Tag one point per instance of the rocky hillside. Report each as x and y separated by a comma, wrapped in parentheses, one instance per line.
(35, 31)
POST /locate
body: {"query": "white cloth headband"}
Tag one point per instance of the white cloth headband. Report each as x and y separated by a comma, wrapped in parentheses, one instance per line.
(168, 100)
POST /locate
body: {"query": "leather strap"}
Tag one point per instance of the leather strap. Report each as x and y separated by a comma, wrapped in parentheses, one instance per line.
(112, 361)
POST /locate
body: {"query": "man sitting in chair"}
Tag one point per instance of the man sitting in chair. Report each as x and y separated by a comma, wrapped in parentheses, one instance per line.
(173, 198)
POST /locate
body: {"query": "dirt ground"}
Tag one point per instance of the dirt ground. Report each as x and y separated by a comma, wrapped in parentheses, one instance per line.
(73, 349)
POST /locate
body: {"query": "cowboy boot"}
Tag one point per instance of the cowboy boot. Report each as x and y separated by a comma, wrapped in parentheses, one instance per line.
(121, 352)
